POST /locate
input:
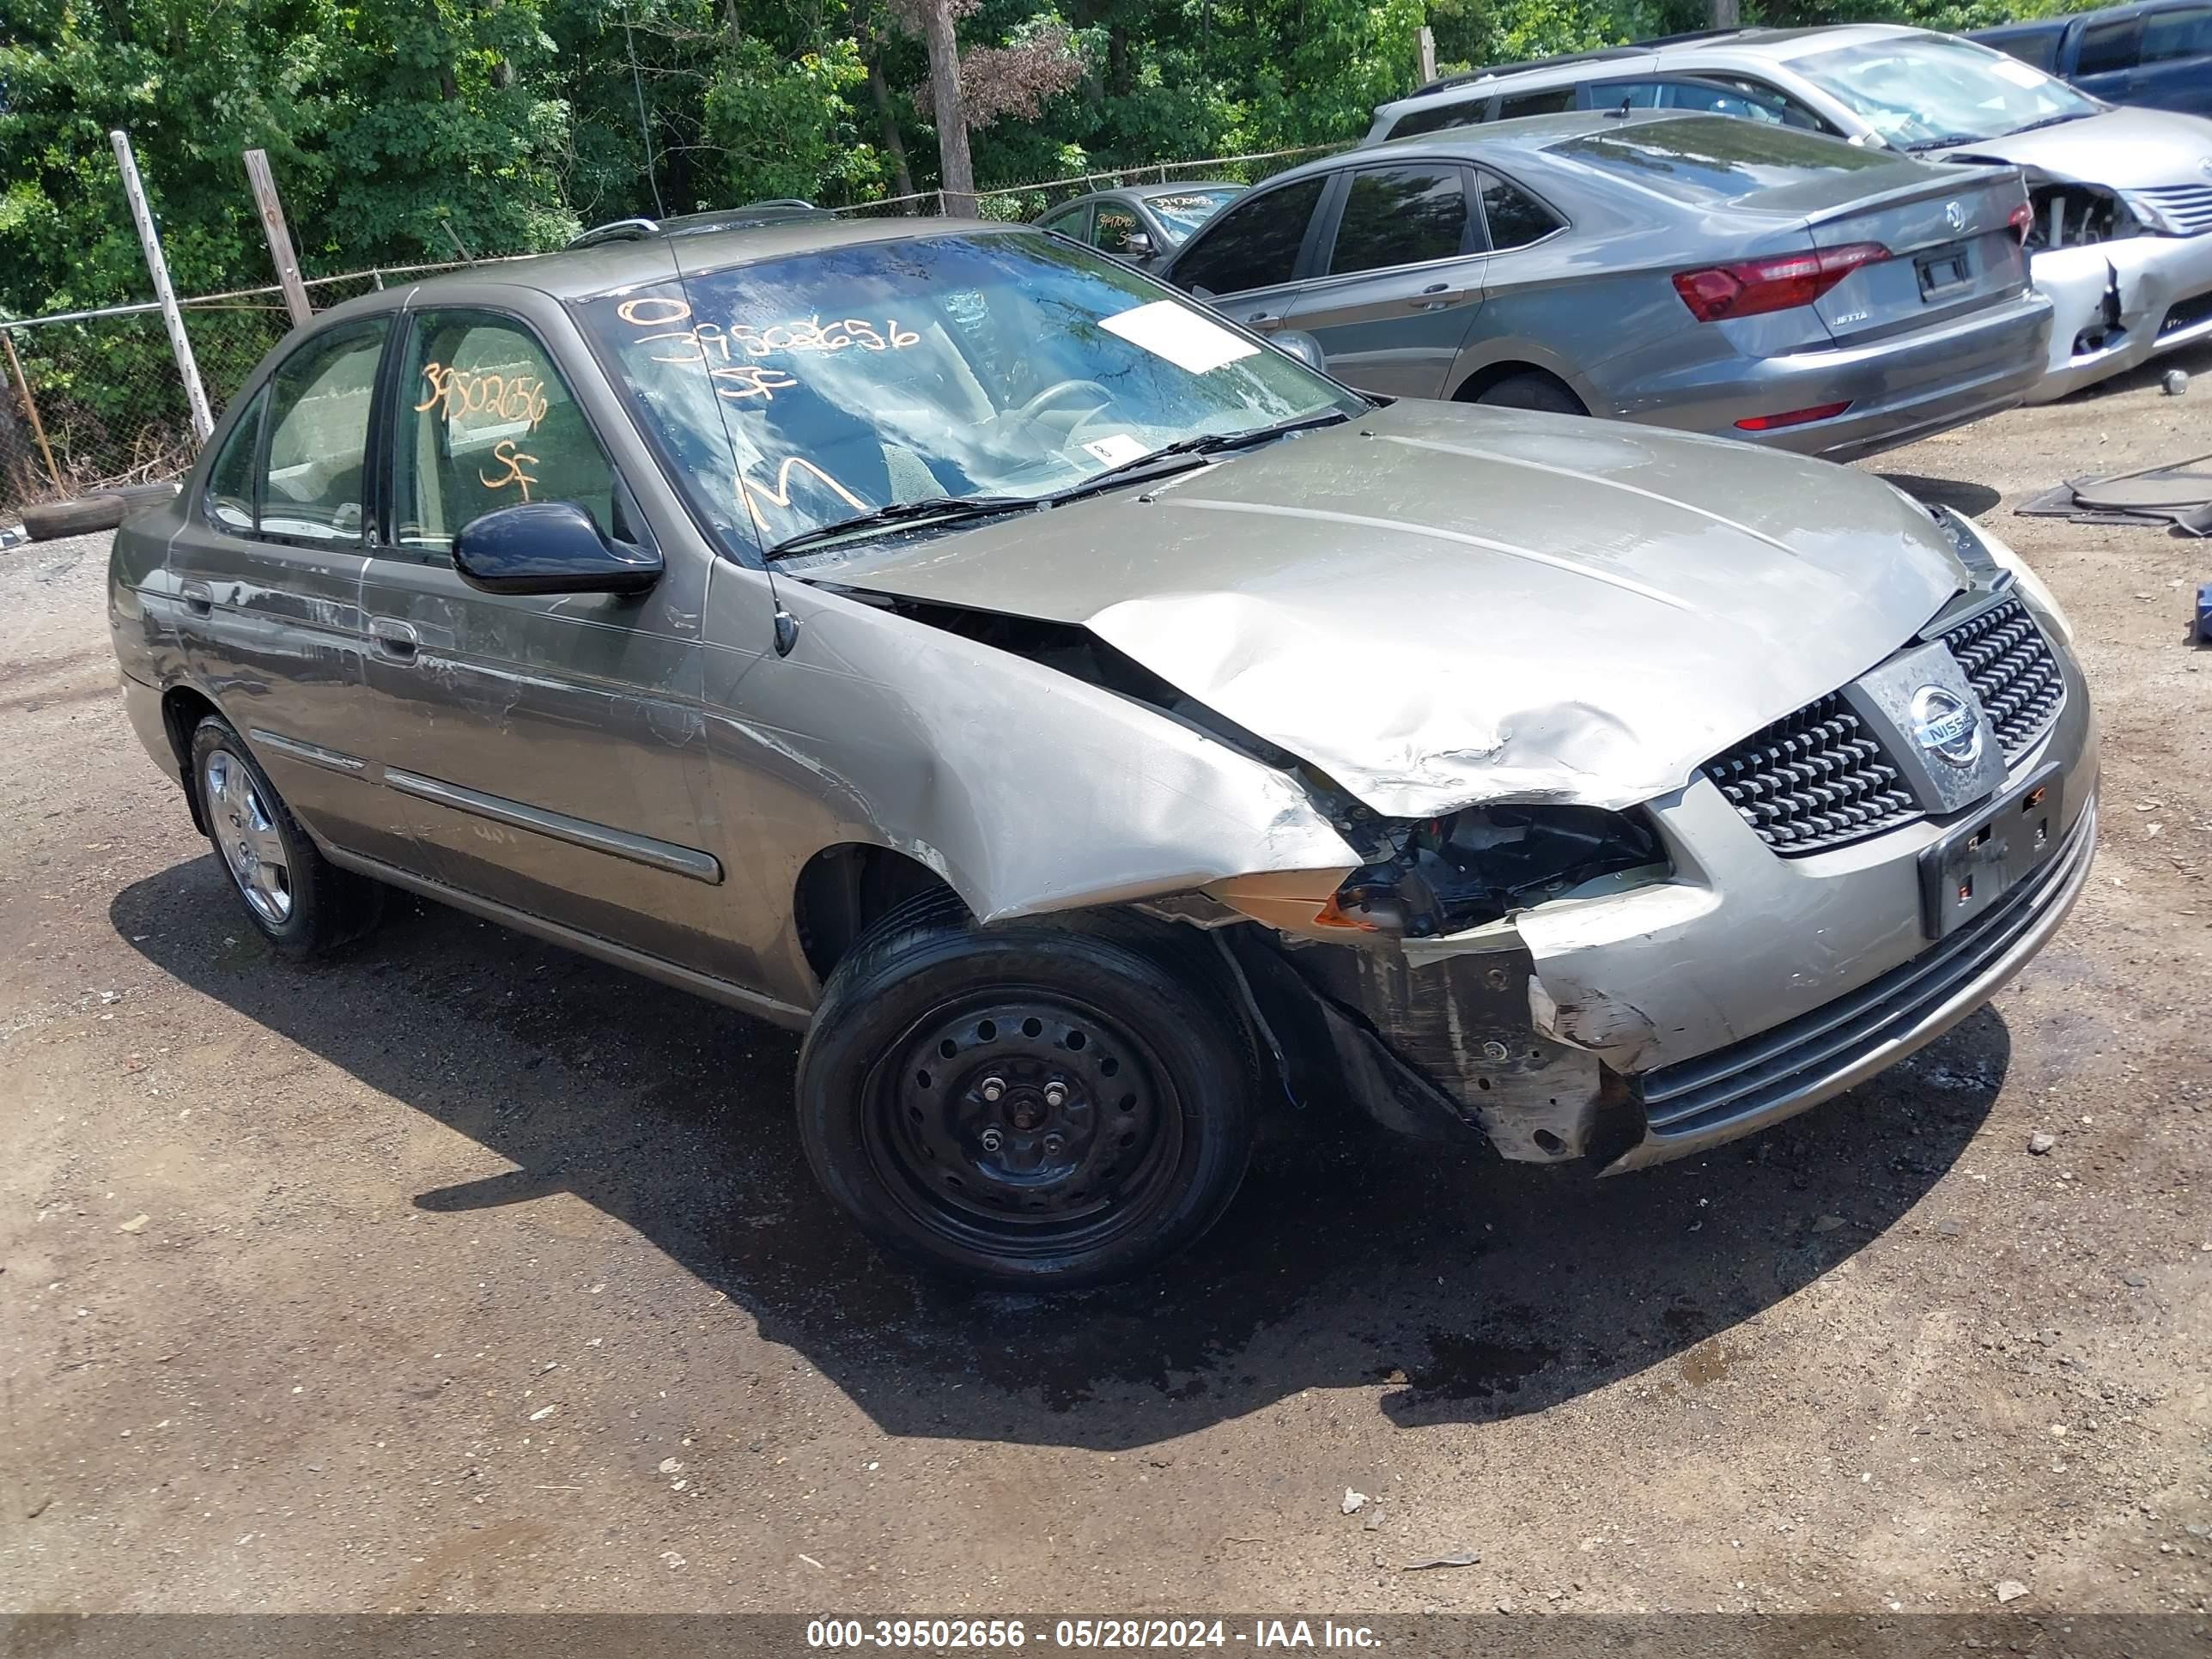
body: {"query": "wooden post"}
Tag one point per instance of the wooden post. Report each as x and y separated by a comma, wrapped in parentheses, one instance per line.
(149, 239)
(30, 408)
(279, 235)
(1428, 38)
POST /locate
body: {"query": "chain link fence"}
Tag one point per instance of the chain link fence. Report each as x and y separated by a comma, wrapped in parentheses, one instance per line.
(93, 400)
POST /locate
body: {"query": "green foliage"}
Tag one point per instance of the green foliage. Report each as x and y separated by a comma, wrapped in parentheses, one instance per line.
(786, 127)
(399, 128)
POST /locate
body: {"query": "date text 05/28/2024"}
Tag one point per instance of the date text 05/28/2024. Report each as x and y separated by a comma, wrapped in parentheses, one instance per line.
(942, 1634)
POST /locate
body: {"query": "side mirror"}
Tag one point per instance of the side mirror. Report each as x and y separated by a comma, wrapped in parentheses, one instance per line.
(1302, 346)
(1136, 246)
(549, 547)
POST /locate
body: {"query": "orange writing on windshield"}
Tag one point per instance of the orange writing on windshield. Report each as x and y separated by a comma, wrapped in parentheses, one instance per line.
(779, 493)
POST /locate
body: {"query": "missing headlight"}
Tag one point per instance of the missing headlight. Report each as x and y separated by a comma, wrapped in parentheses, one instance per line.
(1448, 874)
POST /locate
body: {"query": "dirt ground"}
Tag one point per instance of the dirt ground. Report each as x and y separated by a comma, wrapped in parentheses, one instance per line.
(461, 1273)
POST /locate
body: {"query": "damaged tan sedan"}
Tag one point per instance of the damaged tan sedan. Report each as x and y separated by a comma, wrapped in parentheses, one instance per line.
(1094, 727)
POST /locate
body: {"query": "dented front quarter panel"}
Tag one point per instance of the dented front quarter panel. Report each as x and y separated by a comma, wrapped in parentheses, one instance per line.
(1439, 603)
(1027, 791)
(2136, 279)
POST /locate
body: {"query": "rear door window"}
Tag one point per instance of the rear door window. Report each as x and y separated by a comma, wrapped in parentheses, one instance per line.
(230, 482)
(1712, 158)
(1254, 243)
(1073, 222)
(1549, 101)
(308, 487)
(1465, 113)
(1514, 217)
(1402, 216)
(2109, 48)
(1725, 95)
(1624, 94)
(2169, 36)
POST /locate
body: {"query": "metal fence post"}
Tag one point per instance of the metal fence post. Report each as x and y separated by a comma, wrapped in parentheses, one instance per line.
(150, 240)
(280, 236)
(30, 408)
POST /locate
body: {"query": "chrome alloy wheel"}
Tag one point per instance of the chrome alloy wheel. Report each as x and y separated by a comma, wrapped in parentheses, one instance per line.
(251, 845)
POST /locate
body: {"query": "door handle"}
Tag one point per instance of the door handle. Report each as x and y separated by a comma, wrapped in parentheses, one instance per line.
(1437, 296)
(393, 639)
(198, 597)
(1265, 322)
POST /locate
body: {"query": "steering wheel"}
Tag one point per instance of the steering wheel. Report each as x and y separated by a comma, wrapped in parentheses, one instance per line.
(1061, 392)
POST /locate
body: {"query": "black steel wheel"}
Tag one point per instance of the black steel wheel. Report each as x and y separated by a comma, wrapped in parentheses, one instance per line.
(1035, 1107)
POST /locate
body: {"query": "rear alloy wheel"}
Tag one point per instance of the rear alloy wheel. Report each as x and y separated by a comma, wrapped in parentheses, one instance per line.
(298, 900)
(1026, 1107)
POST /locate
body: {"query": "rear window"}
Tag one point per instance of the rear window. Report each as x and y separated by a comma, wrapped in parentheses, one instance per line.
(1465, 113)
(1717, 158)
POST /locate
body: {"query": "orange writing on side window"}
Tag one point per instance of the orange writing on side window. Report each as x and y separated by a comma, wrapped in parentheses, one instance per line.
(512, 459)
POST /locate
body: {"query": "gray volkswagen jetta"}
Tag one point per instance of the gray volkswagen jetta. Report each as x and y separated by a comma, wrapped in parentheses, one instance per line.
(1690, 271)
(1093, 726)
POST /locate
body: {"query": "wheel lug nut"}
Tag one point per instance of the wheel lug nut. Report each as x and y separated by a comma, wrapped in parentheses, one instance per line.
(1055, 1094)
(991, 1141)
(992, 1088)
(1052, 1144)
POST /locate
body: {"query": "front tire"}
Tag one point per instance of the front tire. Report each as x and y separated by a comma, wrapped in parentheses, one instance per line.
(1532, 390)
(1026, 1107)
(297, 899)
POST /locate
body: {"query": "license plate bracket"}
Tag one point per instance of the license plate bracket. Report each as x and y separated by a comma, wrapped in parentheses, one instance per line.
(1940, 272)
(1982, 859)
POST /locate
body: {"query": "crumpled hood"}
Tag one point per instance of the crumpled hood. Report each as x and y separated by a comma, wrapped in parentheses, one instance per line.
(2120, 150)
(1441, 603)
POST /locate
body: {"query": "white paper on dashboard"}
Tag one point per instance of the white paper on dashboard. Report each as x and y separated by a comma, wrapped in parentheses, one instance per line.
(2019, 74)
(1190, 342)
(1116, 447)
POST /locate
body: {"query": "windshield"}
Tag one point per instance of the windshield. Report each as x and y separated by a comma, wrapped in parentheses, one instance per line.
(1933, 92)
(1187, 210)
(798, 392)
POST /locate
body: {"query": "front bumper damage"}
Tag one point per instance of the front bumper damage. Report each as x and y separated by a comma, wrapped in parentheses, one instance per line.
(2120, 303)
(1656, 1021)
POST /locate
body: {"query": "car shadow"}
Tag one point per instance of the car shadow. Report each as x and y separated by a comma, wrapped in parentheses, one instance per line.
(1470, 1289)
(1957, 494)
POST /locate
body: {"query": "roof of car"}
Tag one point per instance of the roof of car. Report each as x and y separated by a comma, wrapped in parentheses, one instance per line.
(1781, 45)
(1525, 133)
(598, 268)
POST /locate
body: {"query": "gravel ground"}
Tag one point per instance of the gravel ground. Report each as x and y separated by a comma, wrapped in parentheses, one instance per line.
(461, 1272)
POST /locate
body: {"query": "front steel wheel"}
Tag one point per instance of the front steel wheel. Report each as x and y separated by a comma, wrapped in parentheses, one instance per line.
(1032, 1107)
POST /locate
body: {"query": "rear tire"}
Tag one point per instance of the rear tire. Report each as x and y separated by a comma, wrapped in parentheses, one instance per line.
(1532, 391)
(1026, 1107)
(297, 899)
(78, 518)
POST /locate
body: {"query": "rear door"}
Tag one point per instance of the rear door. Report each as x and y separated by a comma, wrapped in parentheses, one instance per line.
(1952, 244)
(268, 575)
(1399, 283)
(2175, 69)
(1246, 261)
(2105, 60)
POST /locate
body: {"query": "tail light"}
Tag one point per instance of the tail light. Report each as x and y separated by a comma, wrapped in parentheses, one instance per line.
(1792, 417)
(1758, 286)
(2023, 221)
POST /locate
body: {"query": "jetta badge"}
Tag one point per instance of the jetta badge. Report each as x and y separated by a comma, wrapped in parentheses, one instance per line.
(1943, 726)
(1955, 216)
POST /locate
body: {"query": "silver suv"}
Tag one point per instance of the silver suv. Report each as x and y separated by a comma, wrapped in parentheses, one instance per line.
(1088, 723)
(2121, 238)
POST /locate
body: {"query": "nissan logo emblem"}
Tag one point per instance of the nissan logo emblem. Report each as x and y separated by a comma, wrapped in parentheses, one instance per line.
(1944, 726)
